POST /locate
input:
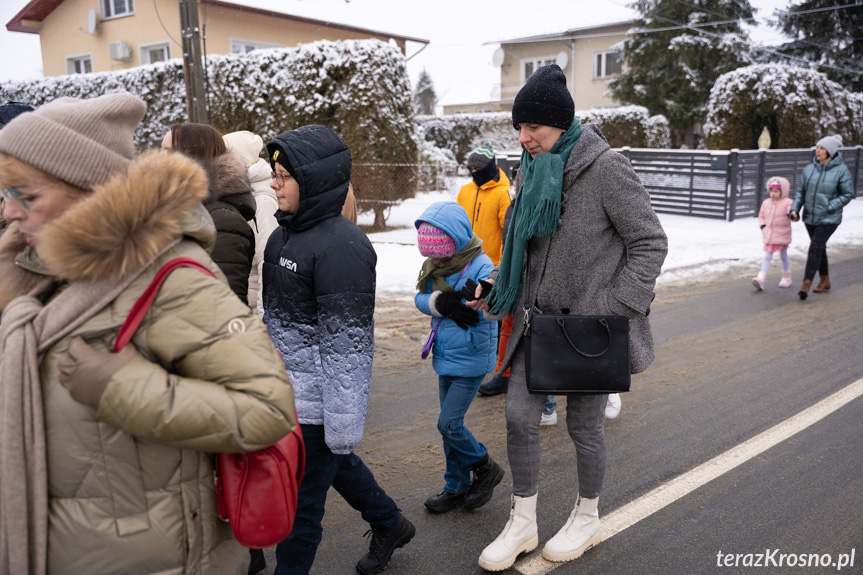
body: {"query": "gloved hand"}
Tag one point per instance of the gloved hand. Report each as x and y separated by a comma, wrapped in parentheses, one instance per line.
(86, 371)
(448, 304)
(468, 291)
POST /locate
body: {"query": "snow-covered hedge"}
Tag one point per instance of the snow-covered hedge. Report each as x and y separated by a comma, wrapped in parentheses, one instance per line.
(631, 126)
(806, 106)
(360, 88)
(622, 126)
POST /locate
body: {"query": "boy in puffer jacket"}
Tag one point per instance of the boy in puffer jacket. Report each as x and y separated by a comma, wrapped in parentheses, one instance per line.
(775, 230)
(319, 303)
(464, 347)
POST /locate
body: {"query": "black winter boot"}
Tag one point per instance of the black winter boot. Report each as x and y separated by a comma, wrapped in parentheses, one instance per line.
(444, 501)
(258, 562)
(384, 542)
(486, 475)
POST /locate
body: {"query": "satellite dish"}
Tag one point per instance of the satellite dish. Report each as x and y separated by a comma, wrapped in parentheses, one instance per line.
(91, 21)
(497, 58)
(561, 59)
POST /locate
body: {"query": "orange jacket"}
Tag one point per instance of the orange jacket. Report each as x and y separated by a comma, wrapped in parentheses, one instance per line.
(486, 207)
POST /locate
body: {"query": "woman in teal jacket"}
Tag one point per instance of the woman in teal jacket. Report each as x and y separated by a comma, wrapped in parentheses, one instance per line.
(824, 189)
(463, 351)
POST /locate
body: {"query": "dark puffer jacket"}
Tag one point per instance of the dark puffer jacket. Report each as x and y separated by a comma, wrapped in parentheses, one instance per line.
(232, 205)
(319, 290)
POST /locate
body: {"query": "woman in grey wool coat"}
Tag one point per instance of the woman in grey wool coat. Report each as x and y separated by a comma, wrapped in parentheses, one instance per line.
(596, 248)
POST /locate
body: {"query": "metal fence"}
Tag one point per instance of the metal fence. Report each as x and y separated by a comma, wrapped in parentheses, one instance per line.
(723, 185)
(710, 184)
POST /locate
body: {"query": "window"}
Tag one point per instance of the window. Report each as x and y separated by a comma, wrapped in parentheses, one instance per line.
(240, 46)
(158, 52)
(607, 64)
(115, 8)
(79, 64)
(528, 67)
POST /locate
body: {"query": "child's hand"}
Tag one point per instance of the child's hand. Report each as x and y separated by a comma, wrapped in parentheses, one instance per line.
(470, 292)
(448, 304)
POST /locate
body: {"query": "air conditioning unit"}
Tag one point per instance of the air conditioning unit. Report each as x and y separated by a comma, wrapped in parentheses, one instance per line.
(121, 51)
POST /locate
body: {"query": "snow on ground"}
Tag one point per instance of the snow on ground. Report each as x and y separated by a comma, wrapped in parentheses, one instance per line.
(699, 249)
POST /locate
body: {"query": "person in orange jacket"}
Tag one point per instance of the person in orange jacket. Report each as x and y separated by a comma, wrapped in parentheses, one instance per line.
(486, 199)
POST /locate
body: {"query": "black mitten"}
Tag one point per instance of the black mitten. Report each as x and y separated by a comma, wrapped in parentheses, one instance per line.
(468, 291)
(448, 304)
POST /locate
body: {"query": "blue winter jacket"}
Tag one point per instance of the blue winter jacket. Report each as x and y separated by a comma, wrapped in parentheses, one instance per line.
(458, 352)
(823, 191)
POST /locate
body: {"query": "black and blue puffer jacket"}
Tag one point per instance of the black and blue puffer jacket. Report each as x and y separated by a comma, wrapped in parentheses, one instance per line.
(319, 290)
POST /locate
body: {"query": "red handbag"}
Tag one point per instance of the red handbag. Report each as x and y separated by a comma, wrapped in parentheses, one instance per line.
(255, 492)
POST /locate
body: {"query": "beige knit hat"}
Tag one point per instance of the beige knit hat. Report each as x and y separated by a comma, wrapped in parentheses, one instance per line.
(81, 142)
(246, 145)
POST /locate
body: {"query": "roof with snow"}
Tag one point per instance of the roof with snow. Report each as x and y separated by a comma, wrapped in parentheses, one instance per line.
(571, 34)
(37, 10)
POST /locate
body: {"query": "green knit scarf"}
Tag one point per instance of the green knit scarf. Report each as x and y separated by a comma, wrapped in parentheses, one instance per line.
(534, 214)
(456, 264)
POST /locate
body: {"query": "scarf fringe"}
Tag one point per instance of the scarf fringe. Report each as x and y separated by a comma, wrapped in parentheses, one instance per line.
(542, 219)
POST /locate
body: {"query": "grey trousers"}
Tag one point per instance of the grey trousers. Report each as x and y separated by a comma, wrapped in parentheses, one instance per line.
(585, 418)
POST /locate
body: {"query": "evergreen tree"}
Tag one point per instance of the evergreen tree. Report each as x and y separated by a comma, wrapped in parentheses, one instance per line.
(425, 98)
(829, 36)
(673, 59)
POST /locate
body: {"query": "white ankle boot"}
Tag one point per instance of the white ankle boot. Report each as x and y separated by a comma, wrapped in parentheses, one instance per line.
(786, 280)
(519, 535)
(580, 533)
(758, 281)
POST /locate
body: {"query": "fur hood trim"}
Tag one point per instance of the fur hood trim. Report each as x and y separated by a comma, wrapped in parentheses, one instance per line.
(228, 177)
(129, 220)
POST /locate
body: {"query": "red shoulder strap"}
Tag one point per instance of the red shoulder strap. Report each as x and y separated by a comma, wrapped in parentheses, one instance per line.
(139, 310)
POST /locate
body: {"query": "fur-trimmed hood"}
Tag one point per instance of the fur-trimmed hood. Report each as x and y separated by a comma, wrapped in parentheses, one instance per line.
(229, 182)
(118, 228)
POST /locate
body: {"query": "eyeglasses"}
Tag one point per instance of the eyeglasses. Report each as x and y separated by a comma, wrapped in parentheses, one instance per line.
(15, 194)
(280, 178)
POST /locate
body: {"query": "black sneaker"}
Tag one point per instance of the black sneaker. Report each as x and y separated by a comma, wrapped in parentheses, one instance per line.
(494, 387)
(486, 475)
(444, 501)
(384, 542)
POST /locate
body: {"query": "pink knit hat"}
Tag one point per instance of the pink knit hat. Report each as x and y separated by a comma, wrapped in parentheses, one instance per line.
(433, 242)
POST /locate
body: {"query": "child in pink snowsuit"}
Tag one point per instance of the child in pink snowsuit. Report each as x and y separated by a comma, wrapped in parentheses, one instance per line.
(775, 230)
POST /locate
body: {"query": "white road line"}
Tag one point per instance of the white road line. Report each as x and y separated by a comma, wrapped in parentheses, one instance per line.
(650, 503)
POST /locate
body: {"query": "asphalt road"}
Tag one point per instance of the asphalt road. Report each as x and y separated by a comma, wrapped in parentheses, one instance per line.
(731, 363)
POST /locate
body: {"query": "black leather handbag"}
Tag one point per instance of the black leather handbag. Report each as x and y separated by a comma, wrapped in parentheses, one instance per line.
(574, 353)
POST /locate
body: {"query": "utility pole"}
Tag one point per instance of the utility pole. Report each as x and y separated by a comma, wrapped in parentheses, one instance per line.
(193, 67)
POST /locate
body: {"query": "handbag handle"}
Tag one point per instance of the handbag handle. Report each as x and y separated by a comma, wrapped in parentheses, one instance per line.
(142, 305)
(526, 279)
(562, 323)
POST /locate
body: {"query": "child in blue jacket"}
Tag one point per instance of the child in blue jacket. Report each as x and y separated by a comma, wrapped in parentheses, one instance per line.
(463, 351)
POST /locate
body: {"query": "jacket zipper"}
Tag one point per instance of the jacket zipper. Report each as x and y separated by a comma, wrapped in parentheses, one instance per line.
(815, 192)
(475, 200)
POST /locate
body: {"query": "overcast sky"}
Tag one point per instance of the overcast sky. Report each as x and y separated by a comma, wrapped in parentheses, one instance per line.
(463, 34)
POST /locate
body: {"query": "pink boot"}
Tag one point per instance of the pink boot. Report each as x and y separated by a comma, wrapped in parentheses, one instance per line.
(786, 279)
(758, 281)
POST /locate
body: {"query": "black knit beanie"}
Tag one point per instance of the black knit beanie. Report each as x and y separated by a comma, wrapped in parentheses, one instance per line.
(544, 99)
(278, 156)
